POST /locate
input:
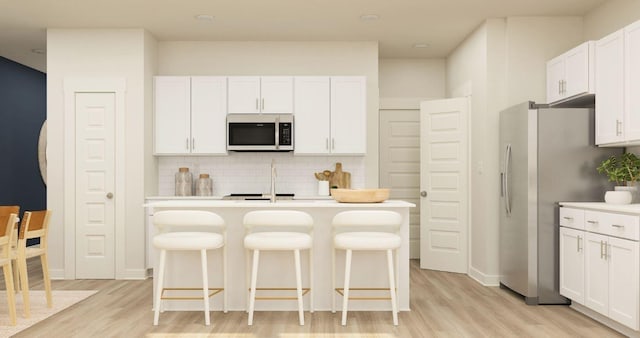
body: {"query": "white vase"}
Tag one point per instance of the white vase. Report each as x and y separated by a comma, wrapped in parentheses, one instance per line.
(631, 187)
(618, 197)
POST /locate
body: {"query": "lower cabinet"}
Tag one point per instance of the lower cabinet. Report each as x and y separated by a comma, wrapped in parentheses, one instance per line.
(599, 264)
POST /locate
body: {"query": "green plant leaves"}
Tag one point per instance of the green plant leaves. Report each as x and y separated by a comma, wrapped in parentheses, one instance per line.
(620, 169)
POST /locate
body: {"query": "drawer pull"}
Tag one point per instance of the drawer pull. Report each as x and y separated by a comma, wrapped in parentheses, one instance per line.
(568, 218)
(578, 241)
(592, 222)
(601, 249)
(617, 226)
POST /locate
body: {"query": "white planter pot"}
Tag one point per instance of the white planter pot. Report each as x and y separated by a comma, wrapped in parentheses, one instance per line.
(618, 197)
(632, 187)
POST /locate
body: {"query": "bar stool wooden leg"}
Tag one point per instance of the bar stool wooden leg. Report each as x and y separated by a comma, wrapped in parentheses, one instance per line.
(24, 286)
(254, 279)
(347, 275)
(156, 314)
(311, 306)
(296, 256)
(333, 280)
(205, 287)
(224, 279)
(47, 280)
(392, 287)
(11, 297)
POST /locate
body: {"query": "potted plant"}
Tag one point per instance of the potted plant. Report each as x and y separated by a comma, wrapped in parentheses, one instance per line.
(625, 171)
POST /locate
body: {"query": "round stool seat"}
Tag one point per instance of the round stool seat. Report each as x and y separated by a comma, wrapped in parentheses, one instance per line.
(277, 241)
(188, 241)
(367, 240)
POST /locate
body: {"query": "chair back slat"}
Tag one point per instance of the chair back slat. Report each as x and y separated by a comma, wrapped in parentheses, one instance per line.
(167, 219)
(24, 224)
(7, 223)
(277, 218)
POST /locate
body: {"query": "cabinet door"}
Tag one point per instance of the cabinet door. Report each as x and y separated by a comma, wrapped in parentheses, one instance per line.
(609, 91)
(632, 82)
(577, 71)
(208, 115)
(244, 94)
(596, 286)
(348, 115)
(312, 113)
(555, 76)
(276, 94)
(172, 114)
(572, 264)
(623, 281)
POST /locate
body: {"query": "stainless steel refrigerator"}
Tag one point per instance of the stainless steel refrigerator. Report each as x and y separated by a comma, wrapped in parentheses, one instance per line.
(547, 155)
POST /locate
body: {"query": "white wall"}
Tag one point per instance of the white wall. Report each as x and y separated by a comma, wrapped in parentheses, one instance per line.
(500, 64)
(97, 54)
(283, 58)
(609, 17)
(412, 78)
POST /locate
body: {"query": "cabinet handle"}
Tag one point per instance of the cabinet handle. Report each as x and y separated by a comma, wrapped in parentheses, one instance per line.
(326, 143)
(559, 87)
(601, 249)
(618, 127)
(256, 104)
(592, 222)
(617, 226)
(568, 218)
(186, 145)
(579, 240)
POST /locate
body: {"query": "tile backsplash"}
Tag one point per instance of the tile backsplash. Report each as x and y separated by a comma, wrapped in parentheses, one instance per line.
(250, 172)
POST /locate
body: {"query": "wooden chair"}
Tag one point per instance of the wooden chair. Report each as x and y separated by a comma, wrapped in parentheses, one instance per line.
(35, 224)
(7, 224)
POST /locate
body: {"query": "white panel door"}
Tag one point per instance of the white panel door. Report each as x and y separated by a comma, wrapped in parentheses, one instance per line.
(577, 71)
(276, 94)
(172, 115)
(623, 281)
(208, 115)
(609, 92)
(443, 183)
(243, 94)
(596, 280)
(348, 115)
(632, 81)
(572, 264)
(95, 183)
(312, 113)
(400, 164)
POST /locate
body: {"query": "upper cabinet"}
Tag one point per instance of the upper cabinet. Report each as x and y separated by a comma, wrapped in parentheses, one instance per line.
(617, 85)
(254, 94)
(330, 115)
(571, 74)
(190, 115)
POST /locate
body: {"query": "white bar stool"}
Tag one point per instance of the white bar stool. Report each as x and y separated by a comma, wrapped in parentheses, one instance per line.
(171, 239)
(260, 226)
(352, 233)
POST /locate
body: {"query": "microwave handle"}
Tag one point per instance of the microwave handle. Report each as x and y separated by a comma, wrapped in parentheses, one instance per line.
(278, 132)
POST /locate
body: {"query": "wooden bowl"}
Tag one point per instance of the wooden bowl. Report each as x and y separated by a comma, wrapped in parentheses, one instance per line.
(360, 195)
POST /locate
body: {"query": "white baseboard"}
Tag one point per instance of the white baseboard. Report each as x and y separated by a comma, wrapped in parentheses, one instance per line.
(56, 274)
(133, 274)
(484, 279)
(627, 331)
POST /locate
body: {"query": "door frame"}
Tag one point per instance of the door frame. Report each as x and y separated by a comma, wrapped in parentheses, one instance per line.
(93, 85)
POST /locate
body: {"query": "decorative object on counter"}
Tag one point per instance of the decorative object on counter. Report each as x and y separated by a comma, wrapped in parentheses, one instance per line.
(204, 185)
(623, 169)
(323, 188)
(340, 179)
(360, 195)
(184, 182)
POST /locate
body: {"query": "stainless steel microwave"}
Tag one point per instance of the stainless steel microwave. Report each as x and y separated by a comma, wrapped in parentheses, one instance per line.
(260, 132)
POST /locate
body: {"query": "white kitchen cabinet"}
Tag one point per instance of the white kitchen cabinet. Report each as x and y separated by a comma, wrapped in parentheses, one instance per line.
(571, 74)
(190, 115)
(610, 263)
(572, 264)
(254, 94)
(330, 115)
(312, 114)
(617, 85)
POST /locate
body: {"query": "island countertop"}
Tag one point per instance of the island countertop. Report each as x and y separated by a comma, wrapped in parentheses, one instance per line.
(366, 268)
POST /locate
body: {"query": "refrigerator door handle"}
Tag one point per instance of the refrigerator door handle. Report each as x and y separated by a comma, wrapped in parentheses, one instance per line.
(507, 169)
(501, 184)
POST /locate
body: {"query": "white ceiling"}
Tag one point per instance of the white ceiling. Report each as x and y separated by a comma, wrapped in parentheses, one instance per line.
(442, 24)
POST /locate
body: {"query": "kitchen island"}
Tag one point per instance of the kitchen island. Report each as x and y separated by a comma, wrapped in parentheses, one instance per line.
(276, 268)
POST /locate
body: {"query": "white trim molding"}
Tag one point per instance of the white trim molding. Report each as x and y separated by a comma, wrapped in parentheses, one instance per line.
(482, 278)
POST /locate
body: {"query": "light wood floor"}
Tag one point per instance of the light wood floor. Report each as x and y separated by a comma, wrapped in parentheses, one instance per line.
(443, 305)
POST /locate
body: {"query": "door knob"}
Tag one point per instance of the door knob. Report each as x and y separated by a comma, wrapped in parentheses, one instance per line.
(109, 195)
(423, 193)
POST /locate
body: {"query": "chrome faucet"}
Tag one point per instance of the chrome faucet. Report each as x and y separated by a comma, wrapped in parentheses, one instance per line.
(273, 182)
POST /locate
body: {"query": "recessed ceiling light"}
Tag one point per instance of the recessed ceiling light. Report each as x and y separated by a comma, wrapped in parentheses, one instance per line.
(38, 51)
(421, 45)
(369, 17)
(204, 17)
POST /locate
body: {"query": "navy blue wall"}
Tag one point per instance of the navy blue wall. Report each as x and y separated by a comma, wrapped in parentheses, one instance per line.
(23, 109)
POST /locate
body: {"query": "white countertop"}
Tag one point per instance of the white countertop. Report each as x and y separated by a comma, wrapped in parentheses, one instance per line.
(324, 203)
(628, 208)
(191, 198)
